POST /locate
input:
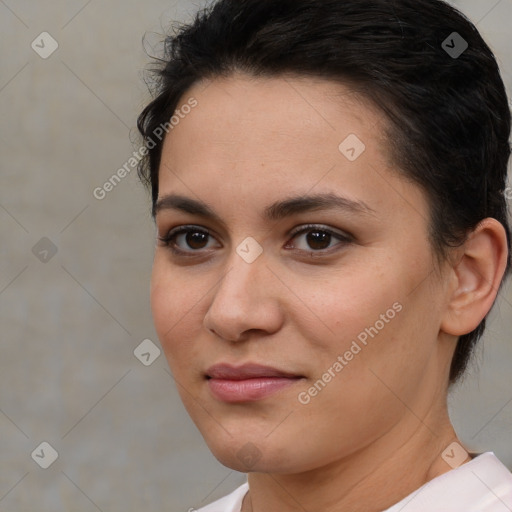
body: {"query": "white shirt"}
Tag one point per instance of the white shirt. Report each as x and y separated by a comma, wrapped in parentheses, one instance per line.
(482, 485)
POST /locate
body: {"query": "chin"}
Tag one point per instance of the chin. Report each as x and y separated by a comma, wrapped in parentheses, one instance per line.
(248, 463)
(247, 454)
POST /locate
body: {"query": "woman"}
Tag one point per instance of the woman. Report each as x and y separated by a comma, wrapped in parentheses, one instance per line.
(328, 184)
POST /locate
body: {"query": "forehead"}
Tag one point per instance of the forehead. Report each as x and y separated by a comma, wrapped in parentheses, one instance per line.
(263, 120)
(275, 111)
(252, 139)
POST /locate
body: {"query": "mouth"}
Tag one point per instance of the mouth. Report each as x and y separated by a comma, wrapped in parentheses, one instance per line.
(247, 383)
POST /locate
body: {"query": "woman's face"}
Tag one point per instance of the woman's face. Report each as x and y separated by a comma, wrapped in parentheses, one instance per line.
(347, 312)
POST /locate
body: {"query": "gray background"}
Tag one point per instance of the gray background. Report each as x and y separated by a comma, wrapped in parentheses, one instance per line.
(68, 374)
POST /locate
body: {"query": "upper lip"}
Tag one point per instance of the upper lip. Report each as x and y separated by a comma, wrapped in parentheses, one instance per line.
(246, 371)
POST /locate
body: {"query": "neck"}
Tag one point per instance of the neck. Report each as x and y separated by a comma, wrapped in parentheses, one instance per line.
(369, 480)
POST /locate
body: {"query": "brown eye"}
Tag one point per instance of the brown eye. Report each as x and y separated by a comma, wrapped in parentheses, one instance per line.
(319, 239)
(196, 239)
(186, 240)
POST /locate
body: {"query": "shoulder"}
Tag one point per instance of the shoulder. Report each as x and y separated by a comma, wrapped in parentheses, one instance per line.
(481, 485)
(230, 503)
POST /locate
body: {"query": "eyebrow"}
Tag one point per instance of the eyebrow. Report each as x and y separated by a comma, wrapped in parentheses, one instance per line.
(276, 211)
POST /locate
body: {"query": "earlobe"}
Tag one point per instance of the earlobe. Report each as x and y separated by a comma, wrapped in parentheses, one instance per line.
(477, 277)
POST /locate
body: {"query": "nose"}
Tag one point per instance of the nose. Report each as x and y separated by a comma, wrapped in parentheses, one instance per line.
(245, 301)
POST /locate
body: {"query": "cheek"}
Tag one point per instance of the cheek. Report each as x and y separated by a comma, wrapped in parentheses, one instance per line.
(162, 305)
(172, 307)
(347, 304)
(371, 319)
(384, 339)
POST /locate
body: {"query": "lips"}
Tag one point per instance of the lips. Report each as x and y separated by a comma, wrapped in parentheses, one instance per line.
(247, 371)
(247, 383)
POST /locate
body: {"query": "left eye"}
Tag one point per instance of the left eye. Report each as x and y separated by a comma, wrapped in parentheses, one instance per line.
(319, 239)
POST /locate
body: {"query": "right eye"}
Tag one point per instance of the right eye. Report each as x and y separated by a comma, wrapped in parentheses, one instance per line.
(189, 236)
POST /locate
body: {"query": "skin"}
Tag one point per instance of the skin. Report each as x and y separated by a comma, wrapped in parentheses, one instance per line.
(377, 430)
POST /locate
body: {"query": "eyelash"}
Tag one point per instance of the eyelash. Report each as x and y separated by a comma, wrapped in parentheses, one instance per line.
(169, 239)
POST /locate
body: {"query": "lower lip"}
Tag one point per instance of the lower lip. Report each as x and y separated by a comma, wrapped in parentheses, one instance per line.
(248, 390)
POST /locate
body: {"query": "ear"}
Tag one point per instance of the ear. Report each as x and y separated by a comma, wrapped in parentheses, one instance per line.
(476, 278)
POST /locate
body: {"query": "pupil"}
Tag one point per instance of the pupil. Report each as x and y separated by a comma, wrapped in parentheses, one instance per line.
(318, 239)
(194, 239)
